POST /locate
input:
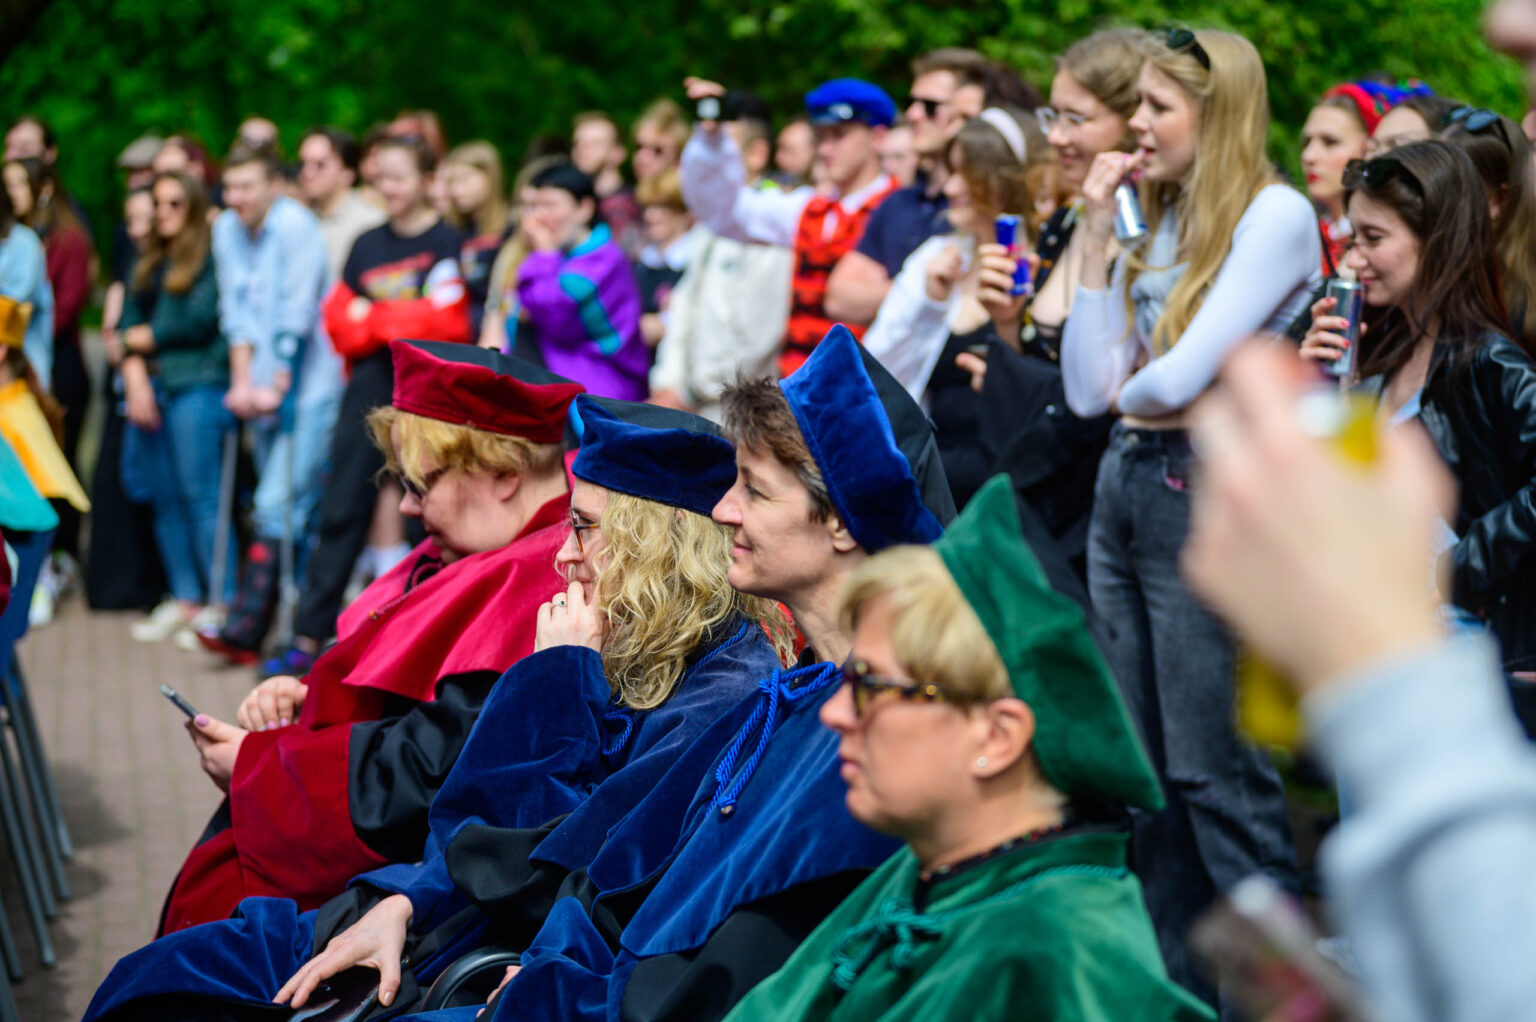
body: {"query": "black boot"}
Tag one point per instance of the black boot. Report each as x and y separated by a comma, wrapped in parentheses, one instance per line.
(249, 618)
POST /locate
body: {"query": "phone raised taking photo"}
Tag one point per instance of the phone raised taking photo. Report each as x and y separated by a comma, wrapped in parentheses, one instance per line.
(179, 700)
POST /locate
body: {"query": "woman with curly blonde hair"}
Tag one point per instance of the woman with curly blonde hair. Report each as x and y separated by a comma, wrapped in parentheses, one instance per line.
(645, 650)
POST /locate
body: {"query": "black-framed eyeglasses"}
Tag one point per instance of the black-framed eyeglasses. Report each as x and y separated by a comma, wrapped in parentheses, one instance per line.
(1477, 120)
(580, 524)
(1375, 174)
(1182, 40)
(930, 106)
(427, 482)
(866, 685)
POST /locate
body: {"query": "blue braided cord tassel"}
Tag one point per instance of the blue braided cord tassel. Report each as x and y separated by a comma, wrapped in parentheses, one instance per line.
(616, 714)
(779, 689)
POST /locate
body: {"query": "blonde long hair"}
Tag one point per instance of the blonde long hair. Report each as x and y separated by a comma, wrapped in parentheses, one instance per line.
(665, 592)
(494, 215)
(1231, 168)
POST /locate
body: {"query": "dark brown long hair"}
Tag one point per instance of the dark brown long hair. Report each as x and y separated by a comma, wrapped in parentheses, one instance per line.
(1501, 154)
(184, 255)
(1440, 198)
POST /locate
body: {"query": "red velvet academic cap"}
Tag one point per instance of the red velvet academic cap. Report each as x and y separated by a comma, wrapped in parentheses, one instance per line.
(483, 389)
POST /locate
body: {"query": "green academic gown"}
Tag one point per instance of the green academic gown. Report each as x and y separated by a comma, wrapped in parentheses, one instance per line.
(1052, 930)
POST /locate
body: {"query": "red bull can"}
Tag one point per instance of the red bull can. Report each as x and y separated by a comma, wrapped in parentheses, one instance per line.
(1007, 234)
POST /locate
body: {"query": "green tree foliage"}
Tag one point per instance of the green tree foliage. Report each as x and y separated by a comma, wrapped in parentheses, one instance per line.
(104, 71)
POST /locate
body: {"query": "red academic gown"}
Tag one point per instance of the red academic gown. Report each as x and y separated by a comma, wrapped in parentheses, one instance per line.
(290, 827)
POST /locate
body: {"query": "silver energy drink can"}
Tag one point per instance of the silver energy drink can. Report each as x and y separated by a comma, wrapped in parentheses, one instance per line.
(1007, 228)
(1350, 300)
(1130, 224)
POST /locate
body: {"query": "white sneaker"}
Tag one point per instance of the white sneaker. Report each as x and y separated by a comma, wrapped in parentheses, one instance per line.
(44, 599)
(208, 619)
(161, 623)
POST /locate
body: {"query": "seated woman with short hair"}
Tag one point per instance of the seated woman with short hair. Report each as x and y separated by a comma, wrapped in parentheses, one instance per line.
(979, 723)
(332, 776)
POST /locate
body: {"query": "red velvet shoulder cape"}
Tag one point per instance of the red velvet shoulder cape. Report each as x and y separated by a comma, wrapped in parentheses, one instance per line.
(291, 834)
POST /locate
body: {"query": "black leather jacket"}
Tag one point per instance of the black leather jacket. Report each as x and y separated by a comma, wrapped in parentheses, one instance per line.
(1483, 420)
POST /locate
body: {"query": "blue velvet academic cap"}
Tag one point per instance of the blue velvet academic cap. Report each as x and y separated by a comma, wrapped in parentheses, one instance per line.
(850, 99)
(660, 454)
(848, 432)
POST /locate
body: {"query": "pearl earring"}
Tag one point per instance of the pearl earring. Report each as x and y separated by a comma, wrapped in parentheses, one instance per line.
(981, 761)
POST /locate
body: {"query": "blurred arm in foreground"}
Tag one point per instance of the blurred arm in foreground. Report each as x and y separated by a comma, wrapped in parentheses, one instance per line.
(1319, 565)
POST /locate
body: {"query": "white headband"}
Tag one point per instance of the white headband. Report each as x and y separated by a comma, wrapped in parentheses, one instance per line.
(1008, 128)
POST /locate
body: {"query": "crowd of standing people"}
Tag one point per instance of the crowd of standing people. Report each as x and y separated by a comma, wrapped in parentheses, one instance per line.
(873, 655)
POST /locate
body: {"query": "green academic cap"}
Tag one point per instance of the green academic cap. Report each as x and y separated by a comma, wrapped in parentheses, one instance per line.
(1084, 737)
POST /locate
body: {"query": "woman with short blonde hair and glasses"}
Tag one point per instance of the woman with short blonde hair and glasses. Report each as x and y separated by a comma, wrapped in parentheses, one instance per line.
(979, 724)
(1229, 251)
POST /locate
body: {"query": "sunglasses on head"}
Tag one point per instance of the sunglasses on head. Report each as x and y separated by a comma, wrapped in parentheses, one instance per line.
(1182, 40)
(1375, 174)
(865, 684)
(1477, 120)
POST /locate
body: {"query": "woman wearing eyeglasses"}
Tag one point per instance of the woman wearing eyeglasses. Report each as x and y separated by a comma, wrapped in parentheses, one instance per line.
(1437, 348)
(332, 775)
(635, 664)
(978, 723)
(175, 370)
(1229, 252)
(1093, 96)
(1502, 154)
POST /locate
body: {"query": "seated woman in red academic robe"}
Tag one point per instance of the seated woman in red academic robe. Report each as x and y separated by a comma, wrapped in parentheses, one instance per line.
(476, 438)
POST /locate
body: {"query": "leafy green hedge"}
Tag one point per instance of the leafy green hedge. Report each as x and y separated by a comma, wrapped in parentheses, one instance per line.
(105, 70)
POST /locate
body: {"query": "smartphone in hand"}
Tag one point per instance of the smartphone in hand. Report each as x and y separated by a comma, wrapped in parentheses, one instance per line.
(179, 700)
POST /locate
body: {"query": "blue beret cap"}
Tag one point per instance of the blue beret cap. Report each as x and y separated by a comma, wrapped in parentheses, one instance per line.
(849, 435)
(661, 454)
(850, 99)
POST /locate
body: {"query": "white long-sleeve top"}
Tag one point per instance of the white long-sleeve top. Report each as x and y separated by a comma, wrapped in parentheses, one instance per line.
(727, 316)
(910, 330)
(714, 184)
(1262, 286)
(1431, 874)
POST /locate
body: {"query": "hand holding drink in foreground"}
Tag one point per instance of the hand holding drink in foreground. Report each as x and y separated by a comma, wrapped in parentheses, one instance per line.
(1317, 563)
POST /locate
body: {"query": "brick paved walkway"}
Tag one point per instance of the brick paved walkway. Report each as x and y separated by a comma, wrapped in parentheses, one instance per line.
(133, 793)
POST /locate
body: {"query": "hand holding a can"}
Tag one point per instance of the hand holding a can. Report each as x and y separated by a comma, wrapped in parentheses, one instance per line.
(1327, 340)
(995, 287)
(1108, 171)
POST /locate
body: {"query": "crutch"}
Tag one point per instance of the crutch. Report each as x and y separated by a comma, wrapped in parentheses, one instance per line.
(287, 587)
(226, 519)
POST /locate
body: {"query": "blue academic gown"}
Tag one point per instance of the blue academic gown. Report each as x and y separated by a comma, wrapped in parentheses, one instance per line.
(547, 743)
(768, 820)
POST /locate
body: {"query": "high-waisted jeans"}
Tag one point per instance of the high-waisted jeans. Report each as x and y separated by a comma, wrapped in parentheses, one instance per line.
(181, 464)
(1225, 816)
